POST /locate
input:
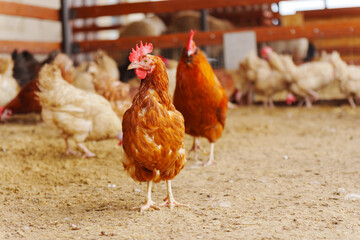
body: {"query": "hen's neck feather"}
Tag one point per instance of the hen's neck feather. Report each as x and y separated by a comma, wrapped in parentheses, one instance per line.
(158, 81)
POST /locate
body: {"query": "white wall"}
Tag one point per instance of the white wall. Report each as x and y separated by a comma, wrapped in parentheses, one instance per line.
(30, 29)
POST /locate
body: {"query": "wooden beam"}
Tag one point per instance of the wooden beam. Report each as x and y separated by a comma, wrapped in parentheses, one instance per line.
(34, 47)
(263, 34)
(331, 13)
(94, 28)
(343, 50)
(25, 10)
(160, 7)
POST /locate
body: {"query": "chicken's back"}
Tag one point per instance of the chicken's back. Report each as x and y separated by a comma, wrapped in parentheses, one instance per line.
(25, 101)
(200, 98)
(77, 113)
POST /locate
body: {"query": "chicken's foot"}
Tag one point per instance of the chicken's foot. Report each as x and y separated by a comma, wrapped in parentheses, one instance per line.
(271, 102)
(195, 147)
(211, 158)
(149, 203)
(308, 102)
(351, 101)
(88, 153)
(69, 151)
(169, 201)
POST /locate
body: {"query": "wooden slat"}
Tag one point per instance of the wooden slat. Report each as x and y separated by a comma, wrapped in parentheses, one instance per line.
(263, 34)
(24, 10)
(331, 13)
(343, 50)
(34, 47)
(160, 7)
(334, 42)
(94, 28)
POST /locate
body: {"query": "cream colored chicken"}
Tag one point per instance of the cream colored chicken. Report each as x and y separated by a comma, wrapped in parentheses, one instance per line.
(84, 79)
(79, 115)
(304, 80)
(107, 64)
(347, 75)
(262, 79)
(8, 85)
(116, 92)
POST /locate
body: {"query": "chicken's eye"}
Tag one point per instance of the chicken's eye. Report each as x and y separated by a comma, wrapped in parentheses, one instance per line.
(145, 60)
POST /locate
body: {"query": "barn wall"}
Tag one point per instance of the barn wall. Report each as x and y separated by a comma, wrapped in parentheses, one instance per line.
(29, 29)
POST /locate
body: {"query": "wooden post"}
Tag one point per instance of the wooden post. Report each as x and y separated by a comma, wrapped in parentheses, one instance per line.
(204, 24)
(65, 27)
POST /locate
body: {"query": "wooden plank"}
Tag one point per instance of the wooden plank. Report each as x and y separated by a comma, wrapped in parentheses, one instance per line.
(263, 34)
(160, 7)
(34, 47)
(343, 50)
(335, 42)
(24, 10)
(331, 13)
(94, 28)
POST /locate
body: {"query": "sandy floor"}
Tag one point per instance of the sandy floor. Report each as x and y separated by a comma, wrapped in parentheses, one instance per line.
(280, 174)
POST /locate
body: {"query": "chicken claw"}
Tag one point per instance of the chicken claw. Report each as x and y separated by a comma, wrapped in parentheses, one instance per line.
(88, 153)
(211, 158)
(69, 151)
(149, 203)
(169, 200)
(196, 145)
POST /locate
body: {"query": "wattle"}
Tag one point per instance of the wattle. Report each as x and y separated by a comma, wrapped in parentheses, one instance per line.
(140, 73)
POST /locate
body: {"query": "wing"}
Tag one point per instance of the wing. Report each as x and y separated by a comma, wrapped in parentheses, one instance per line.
(154, 136)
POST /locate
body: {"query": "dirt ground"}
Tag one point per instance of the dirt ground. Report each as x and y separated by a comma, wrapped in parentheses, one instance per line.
(281, 173)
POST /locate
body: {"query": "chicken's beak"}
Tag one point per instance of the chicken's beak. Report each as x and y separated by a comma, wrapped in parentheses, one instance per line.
(133, 65)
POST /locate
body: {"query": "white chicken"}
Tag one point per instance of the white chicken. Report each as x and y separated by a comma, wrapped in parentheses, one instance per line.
(304, 80)
(83, 77)
(107, 64)
(8, 85)
(79, 115)
(347, 75)
(261, 78)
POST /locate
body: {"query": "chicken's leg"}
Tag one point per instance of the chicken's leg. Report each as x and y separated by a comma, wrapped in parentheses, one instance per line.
(169, 201)
(88, 153)
(149, 203)
(351, 101)
(211, 158)
(69, 151)
(195, 147)
(308, 102)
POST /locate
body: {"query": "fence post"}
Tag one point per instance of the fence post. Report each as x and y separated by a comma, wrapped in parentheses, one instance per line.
(65, 27)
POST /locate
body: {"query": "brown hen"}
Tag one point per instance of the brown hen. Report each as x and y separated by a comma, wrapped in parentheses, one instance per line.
(199, 97)
(153, 130)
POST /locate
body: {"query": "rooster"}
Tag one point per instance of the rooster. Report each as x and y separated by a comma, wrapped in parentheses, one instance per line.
(26, 100)
(79, 115)
(153, 130)
(199, 97)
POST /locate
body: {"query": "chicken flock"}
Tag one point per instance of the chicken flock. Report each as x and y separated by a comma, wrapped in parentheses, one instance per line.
(150, 116)
(275, 72)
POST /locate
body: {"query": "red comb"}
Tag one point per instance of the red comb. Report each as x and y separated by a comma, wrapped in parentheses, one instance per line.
(1, 109)
(140, 51)
(290, 99)
(266, 50)
(192, 33)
